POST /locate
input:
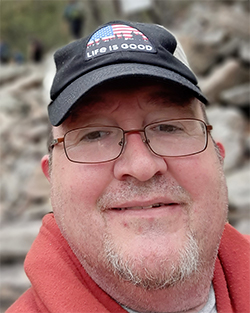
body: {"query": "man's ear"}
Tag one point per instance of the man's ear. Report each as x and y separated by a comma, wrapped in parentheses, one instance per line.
(221, 150)
(45, 166)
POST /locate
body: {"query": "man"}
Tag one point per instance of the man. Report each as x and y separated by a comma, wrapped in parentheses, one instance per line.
(137, 186)
(74, 15)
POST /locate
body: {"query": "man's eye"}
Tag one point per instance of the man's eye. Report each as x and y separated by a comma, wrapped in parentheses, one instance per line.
(167, 128)
(94, 136)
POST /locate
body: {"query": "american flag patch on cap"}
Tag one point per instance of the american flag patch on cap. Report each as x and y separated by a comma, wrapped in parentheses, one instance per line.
(117, 37)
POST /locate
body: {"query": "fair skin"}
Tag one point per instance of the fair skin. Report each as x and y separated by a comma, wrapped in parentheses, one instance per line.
(151, 241)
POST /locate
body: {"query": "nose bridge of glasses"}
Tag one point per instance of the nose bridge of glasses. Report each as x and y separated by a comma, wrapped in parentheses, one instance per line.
(134, 131)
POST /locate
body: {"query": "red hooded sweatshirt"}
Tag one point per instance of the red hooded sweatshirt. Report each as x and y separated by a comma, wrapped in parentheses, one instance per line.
(59, 284)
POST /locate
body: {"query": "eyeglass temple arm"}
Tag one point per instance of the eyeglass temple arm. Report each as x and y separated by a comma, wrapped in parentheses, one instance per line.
(56, 141)
(209, 128)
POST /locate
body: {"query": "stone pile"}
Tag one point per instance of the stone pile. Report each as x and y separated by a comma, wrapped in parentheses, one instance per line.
(218, 49)
(217, 42)
(24, 191)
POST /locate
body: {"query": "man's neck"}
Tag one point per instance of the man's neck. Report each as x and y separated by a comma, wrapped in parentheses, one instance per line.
(210, 306)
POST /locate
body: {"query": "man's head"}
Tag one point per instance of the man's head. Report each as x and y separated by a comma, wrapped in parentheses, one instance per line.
(137, 186)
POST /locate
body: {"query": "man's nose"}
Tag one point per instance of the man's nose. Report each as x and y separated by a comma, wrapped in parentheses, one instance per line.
(138, 161)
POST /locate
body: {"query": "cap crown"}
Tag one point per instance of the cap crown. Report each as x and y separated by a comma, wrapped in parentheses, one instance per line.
(117, 50)
(76, 59)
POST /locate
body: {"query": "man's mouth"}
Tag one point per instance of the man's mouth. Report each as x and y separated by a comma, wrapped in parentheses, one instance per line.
(155, 205)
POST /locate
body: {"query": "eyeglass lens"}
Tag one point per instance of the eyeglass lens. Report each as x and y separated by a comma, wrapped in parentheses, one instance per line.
(93, 144)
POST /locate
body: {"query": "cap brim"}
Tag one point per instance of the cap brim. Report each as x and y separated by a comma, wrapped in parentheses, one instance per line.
(59, 109)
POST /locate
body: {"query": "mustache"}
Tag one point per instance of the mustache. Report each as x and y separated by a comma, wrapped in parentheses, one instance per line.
(132, 189)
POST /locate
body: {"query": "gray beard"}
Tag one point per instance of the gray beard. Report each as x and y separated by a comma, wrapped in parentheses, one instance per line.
(167, 274)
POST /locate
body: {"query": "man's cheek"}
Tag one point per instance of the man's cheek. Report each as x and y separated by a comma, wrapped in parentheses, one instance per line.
(190, 174)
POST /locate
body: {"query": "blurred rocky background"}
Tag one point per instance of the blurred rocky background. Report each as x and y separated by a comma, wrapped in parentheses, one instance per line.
(216, 38)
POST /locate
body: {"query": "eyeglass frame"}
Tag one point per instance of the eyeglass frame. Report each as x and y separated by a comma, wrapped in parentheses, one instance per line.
(122, 143)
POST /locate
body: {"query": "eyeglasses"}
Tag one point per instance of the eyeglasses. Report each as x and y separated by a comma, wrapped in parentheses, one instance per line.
(166, 138)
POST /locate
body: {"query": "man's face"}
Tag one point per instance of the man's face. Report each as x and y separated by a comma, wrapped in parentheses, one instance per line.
(108, 212)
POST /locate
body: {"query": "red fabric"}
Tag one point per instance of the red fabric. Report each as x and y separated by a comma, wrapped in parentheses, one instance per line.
(60, 284)
(232, 273)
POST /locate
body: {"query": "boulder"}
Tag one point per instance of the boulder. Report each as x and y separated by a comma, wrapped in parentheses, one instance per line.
(16, 240)
(239, 188)
(229, 127)
(224, 76)
(236, 96)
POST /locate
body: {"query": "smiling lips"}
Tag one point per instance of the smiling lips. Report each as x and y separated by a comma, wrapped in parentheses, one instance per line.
(156, 205)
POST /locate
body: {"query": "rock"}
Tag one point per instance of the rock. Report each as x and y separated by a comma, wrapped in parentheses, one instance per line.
(229, 48)
(214, 34)
(239, 188)
(14, 282)
(6, 121)
(247, 144)
(234, 19)
(224, 76)
(37, 210)
(236, 96)
(228, 128)
(239, 198)
(9, 104)
(14, 276)
(243, 225)
(16, 240)
(33, 80)
(245, 52)
(11, 72)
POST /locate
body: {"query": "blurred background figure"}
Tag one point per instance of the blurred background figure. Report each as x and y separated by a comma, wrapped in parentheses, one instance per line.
(35, 50)
(74, 15)
(4, 52)
(18, 57)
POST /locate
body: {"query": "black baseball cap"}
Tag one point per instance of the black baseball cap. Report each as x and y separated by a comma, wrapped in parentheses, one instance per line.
(117, 50)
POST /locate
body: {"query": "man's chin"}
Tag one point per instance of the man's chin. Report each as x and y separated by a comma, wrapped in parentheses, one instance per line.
(157, 269)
